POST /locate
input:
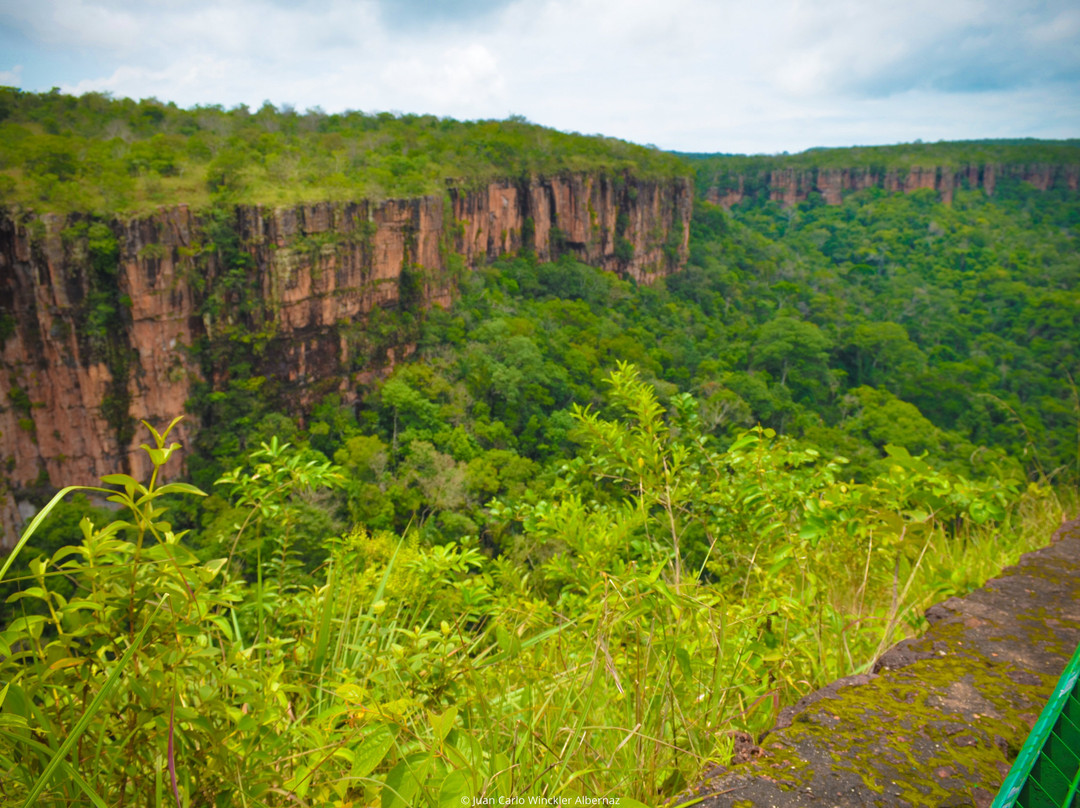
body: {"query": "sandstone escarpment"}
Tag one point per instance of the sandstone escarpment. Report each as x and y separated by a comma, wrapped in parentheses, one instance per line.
(628, 228)
(98, 324)
(790, 186)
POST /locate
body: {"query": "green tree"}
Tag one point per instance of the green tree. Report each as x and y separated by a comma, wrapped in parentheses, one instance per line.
(795, 349)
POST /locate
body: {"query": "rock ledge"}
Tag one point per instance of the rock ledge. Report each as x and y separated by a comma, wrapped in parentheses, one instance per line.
(942, 717)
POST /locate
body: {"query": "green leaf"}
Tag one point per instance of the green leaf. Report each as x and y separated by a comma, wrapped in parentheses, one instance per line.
(509, 643)
(455, 790)
(683, 658)
(352, 693)
(159, 457)
(126, 480)
(32, 624)
(300, 782)
(32, 592)
(502, 777)
(38, 519)
(322, 640)
(442, 724)
(64, 766)
(180, 488)
(214, 566)
(372, 751)
(780, 561)
(67, 662)
(404, 780)
(159, 439)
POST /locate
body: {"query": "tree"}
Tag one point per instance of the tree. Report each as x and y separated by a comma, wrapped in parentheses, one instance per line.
(787, 347)
(884, 355)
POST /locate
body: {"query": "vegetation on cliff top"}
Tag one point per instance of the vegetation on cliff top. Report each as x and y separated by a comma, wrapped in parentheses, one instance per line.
(953, 155)
(892, 319)
(63, 153)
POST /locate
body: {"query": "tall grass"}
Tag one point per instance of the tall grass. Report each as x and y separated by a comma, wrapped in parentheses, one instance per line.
(412, 675)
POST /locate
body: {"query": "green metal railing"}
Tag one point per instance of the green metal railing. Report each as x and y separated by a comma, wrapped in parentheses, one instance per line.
(1047, 772)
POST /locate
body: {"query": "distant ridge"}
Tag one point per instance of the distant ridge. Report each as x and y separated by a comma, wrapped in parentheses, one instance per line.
(943, 167)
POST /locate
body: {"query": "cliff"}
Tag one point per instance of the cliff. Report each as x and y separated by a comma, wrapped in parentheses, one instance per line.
(790, 186)
(98, 318)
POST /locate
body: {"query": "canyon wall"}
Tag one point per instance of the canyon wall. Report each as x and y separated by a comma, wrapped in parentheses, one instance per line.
(97, 325)
(790, 186)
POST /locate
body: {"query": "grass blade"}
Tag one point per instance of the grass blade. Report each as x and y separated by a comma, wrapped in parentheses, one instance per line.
(322, 642)
(172, 748)
(39, 518)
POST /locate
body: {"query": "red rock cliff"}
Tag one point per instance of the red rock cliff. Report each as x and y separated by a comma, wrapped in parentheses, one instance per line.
(789, 186)
(67, 403)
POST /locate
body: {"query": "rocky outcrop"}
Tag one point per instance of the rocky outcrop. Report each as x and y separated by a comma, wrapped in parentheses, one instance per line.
(941, 718)
(94, 341)
(620, 226)
(790, 186)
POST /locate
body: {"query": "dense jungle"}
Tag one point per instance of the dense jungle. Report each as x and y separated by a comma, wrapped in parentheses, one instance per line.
(563, 533)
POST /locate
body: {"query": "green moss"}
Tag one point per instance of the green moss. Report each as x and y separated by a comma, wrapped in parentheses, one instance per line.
(787, 766)
(20, 399)
(154, 250)
(949, 718)
(92, 251)
(980, 759)
(7, 326)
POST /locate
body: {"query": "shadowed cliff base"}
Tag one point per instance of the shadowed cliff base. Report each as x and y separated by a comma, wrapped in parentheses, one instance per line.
(942, 717)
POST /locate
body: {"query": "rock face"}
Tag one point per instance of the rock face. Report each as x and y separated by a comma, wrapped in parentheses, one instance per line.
(790, 186)
(596, 219)
(96, 325)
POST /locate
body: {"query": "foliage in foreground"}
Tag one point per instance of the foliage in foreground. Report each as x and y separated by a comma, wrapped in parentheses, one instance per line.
(632, 625)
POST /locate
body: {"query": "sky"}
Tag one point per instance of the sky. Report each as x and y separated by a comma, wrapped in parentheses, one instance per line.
(689, 75)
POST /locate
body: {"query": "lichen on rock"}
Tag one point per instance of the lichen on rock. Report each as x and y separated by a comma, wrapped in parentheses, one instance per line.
(942, 717)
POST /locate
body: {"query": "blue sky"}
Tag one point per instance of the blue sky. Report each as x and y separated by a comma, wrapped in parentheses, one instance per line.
(693, 75)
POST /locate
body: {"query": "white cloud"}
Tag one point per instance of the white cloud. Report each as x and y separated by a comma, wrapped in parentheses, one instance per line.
(466, 79)
(11, 78)
(1061, 29)
(180, 79)
(690, 74)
